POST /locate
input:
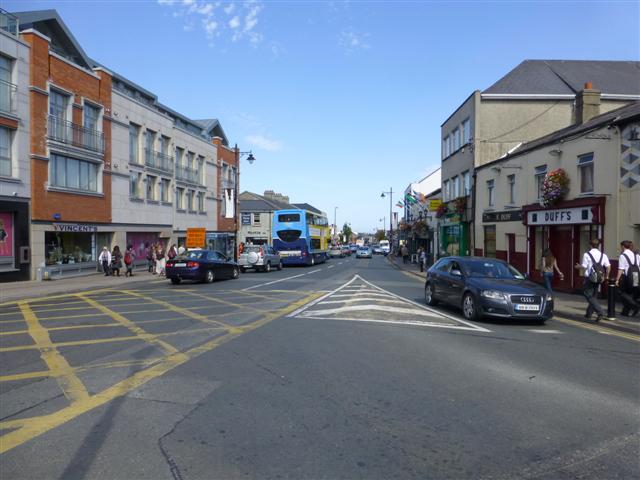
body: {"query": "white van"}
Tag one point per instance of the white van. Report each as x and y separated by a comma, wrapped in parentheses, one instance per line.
(384, 245)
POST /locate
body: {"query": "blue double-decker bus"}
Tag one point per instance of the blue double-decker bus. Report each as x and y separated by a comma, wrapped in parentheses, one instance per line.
(301, 236)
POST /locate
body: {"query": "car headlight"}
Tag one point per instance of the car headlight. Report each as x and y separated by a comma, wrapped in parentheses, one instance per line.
(493, 294)
(549, 297)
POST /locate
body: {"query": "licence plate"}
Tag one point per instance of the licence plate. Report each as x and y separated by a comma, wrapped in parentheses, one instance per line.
(534, 308)
(179, 264)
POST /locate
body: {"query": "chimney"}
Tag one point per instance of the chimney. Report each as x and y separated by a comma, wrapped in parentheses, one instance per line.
(587, 103)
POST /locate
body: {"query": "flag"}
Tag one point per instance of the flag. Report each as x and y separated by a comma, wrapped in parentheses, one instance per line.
(400, 204)
(408, 198)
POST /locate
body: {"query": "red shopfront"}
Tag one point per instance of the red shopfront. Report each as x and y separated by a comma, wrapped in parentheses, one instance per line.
(566, 229)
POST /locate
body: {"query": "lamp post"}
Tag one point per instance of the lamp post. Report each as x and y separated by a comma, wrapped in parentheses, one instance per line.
(335, 225)
(236, 188)
(382, 195)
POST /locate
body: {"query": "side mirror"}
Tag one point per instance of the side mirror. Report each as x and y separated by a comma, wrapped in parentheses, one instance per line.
(456, 273)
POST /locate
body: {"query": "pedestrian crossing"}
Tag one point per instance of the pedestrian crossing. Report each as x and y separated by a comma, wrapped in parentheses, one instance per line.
(359, 300)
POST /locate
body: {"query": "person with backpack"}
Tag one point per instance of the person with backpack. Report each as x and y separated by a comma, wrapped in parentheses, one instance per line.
(596, 267)
(628, 278)
(129, 257)
(116, 261)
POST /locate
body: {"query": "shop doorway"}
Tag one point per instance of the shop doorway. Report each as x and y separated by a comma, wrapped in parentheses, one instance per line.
(561, 245)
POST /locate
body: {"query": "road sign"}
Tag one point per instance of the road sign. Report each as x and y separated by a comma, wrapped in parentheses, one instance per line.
(196, 237)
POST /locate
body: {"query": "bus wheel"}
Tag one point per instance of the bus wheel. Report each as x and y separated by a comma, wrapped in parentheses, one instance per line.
(313, 260)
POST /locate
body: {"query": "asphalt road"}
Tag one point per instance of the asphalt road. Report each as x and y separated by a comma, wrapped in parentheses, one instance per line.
(332, 371)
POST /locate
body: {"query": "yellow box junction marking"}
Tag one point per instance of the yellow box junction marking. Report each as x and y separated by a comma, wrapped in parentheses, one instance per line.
(33, 427)
(70, 384)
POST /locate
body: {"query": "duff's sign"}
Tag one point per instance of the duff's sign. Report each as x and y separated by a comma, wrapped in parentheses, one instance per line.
(562, 216)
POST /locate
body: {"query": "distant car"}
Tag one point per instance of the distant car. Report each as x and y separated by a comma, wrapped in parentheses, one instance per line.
(377, 249)
(259, 257)
(346, 250)
(486, 287)
(336, 252)
(354, 248)
(201, 265)
(364, 252)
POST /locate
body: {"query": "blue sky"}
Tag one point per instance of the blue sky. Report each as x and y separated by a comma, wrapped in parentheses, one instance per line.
(338, 101)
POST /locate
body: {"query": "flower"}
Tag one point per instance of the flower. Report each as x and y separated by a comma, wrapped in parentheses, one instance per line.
(554, 187)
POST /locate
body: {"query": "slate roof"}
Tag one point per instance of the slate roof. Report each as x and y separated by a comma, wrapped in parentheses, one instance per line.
(252, 202)
(567, 77)
(213, 128)
(618, 116)
(306, 206)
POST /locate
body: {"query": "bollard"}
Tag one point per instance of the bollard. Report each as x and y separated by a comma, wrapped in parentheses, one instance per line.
(611, 299)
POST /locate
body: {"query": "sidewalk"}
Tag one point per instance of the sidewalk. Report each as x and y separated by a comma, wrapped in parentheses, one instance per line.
(14, 291)
(566, 305)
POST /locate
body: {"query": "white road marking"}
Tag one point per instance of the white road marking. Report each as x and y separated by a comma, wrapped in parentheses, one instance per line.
(544, 331)
(395, 322)
(313, 271)
(362, 299)
(330, 266)
(271, 283)
(356, 308)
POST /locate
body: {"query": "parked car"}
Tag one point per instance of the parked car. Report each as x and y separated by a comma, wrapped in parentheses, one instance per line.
(201, 265)
(364, 252)
(336, 252)
(353, 247)
(346, 250)
(259, 257)
(377, 249)
(486, 287)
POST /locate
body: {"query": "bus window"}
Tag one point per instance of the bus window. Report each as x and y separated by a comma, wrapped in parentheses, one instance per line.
(289, 217)
(289, 235)
(316, 244)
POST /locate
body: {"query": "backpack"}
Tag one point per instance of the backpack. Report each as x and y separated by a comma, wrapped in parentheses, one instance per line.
(633, 272)
(597, 270)
(127, 258)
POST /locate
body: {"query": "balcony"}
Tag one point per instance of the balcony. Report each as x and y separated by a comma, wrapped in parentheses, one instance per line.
(188, 174)
(69, 133)
(158, 160)
(8, 22)
(8, 97)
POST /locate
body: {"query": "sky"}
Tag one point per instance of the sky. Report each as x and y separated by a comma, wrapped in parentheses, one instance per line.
(338, 101)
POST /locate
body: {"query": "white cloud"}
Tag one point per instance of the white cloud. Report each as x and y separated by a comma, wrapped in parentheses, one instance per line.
(210, 27)
(234, 22)
(264, 143)
(353, 41)
(166, 2)
(188, 2)
(230, 8)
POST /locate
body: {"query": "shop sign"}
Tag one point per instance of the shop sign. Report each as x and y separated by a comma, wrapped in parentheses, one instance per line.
(75, 228)
(256, 232)
(246, 218)
(434, 205)
(506, 216)
(451, 219)
(560, 216)
(196, 237)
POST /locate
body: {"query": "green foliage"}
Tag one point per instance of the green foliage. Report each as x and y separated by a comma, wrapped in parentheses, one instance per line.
(347, 232)
(380, 235)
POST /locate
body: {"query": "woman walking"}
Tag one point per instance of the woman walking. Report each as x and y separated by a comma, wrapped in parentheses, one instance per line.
(116, 260)
(549, 264)
(160, 260)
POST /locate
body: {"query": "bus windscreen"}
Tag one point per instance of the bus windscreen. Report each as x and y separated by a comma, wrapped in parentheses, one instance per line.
(289, 217)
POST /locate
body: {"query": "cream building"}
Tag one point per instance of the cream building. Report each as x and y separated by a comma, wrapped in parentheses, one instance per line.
(601, 157)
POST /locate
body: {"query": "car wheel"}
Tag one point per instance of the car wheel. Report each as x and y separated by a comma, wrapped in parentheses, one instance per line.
(243, 269)
(209, 276)
(428, 295)
(236, 273)
(280, 265)
(176, 280)
(267, 267)
(469, 309)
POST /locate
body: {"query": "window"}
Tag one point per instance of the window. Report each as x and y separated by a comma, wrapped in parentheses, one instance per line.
(179, 155)
(149, 138)
(5, 84)
(455, 186)
(467, 182)
(180, 198)
(72, 173)
(91, 117)
(200, 171)
(490, 241)
(256, 219)
(289, 217)
(540, 173)
(164, 145)
(456, 139)
(466, 131)
(58, 104)
(201, 202)
(134, 184)
(151, 187)
(6, 169)
(189, 200)
(165, 185)
(585, 170)
(445, 154)
(445, 190)
(134, 132)
(69, 247)
(490, 184)
(511, 182)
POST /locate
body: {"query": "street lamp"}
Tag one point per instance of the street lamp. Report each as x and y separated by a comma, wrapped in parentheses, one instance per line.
(250, 157)
(335, 225)
(382, 195)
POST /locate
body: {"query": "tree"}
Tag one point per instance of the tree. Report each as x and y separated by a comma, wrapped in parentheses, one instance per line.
(346, 233)
(380, 235)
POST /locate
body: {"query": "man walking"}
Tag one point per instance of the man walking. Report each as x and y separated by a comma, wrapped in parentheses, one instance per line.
(627, 279)
(105, 259)
(596, 270)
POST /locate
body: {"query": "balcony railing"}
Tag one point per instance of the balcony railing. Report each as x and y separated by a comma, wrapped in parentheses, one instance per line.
(188, 174)
(8, 97)
(8, 22)
(158, 160)
(69, 133)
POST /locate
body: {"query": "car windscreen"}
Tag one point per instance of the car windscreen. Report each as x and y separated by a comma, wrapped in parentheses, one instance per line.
(289, 235)
(490, 269)
(251, 248)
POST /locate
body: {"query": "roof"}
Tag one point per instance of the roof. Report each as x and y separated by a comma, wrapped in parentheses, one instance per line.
(306, 206)
(250, 201)
(213, 129)
(567, 77)
(622, 115)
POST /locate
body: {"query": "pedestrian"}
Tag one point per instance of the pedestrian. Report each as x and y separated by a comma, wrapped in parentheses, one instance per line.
(596, 268)
(160, 260)
(150, 250)
(422, 258)
(129, 257)
(105, 260)
(636, 293)
(549, 264)
(181, 249)
(404, 251)
(116, 260)
(628, 278)
(173, 252)
(241, 248)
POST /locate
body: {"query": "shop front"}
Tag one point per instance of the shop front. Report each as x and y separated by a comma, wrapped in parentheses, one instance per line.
(454, 235)
(566, 229)
(141, 243)
(222, 242)
(14, 241)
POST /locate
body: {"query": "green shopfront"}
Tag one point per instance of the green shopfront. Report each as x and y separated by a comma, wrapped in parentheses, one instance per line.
(454, 235)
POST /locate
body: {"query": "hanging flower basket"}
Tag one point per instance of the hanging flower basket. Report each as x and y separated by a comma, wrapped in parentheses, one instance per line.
(460, 205)
(554, 187)
(442, 210)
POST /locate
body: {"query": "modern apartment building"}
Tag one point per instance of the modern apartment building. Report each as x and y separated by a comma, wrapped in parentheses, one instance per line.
(15, 175)
(600, 157)
(534, 99)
